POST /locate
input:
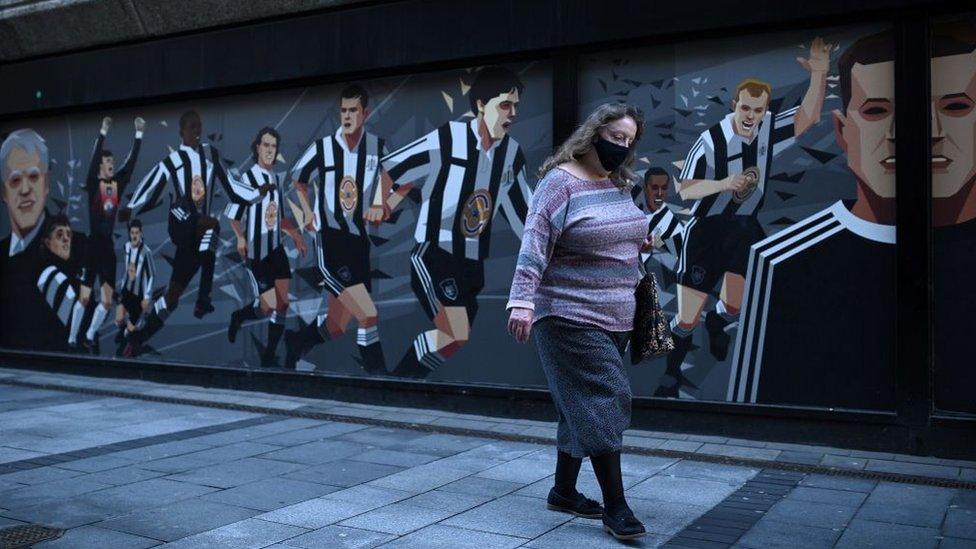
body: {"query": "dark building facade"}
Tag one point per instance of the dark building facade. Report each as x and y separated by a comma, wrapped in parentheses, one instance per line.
(833, 295)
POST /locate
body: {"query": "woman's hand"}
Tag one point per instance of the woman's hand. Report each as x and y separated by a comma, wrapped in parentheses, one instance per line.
(651, 242)
(520, 323)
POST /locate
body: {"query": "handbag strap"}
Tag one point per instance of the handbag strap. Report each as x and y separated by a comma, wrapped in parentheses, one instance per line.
(640, 265)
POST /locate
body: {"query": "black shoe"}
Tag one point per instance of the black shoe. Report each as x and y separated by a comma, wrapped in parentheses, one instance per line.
(269, 361)
(77, 349)
(667, 387)
(622, 524)
(718, 340)
(202, 309)
(373, 361)
(410, 367)
(91, 346)
(120, 335)
(578, 505)
(236, 319)
(133, 346)
(298, 342)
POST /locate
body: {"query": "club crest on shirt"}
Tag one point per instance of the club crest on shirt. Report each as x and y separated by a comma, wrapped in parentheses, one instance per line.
(344, 273)
(752, 181)
(370, 162)
(198, 189)
(507, 176)
(271, 215)
(109, 196)
(348, 195)
(697, 274)
(476, 213)
(450, 289)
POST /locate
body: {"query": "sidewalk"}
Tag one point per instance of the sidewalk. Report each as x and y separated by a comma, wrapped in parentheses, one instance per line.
(238, 471)
(799, 457)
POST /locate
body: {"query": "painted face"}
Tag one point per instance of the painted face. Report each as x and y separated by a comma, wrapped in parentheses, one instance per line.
(748, 112)
(106, 170)
(59, 242)
(191, 131)
(267, 151)
(352, 115)
(622, 132)
(867, 132)
(499, 113)
(135, 236)
(656, 191)
(953, 123)
(25, 189)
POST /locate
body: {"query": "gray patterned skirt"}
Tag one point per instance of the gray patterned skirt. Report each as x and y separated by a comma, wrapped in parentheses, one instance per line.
(589, 385)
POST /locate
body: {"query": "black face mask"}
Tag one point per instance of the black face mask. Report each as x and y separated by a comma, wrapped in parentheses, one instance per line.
(611, 155)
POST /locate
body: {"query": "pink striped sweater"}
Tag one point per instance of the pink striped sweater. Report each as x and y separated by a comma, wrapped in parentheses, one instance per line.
(579, 252)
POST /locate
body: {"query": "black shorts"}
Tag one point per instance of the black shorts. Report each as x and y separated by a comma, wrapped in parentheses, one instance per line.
(440, 278)
(343, 260)
(715, 246)
(273, 267)
(132, 304)
(101, 261)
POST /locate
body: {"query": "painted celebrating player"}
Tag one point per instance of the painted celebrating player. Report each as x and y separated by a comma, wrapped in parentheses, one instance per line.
(258, 228)
(666, 229)
(191, 169)
(135, 285)
(725, 173)
(104, 184)
(467, 171)
(347, 167)
(59, 279)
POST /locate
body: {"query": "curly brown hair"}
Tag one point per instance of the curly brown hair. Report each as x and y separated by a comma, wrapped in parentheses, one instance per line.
(582, 139)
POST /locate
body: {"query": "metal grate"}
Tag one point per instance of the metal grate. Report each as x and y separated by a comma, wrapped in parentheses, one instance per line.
(724, 524)
(27, 535)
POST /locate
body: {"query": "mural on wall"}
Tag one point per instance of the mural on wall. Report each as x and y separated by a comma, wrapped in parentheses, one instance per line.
(257, 230)
(371, 228)
(770, 186)
(953, 73)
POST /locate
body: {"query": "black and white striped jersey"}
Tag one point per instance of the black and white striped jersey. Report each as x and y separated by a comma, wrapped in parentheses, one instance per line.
(463, 186)
(720, 152)
(58, 287)
(819, 312)
(345, 179)
(262, 219)
(192, 174)
(668, 227)
(139, 271)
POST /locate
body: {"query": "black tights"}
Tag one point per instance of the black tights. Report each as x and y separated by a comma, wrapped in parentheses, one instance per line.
(607, 469)
(567, 471)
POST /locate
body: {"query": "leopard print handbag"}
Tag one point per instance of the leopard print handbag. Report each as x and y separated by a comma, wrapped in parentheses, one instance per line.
(652, 335)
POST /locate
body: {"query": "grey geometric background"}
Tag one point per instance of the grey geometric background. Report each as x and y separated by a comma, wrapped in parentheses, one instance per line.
(685, 88)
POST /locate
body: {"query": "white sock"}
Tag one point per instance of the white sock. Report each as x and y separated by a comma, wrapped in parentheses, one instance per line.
(100, 313)
(367, 336)
(76, 313)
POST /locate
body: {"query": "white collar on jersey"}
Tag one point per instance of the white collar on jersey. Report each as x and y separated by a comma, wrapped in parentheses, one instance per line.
(473, 126)
(344, 144)
(184, 147)
(259, 169)
(862, 227)
(730, 134)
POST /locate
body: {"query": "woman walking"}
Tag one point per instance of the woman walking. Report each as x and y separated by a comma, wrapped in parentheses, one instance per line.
(574, 287)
